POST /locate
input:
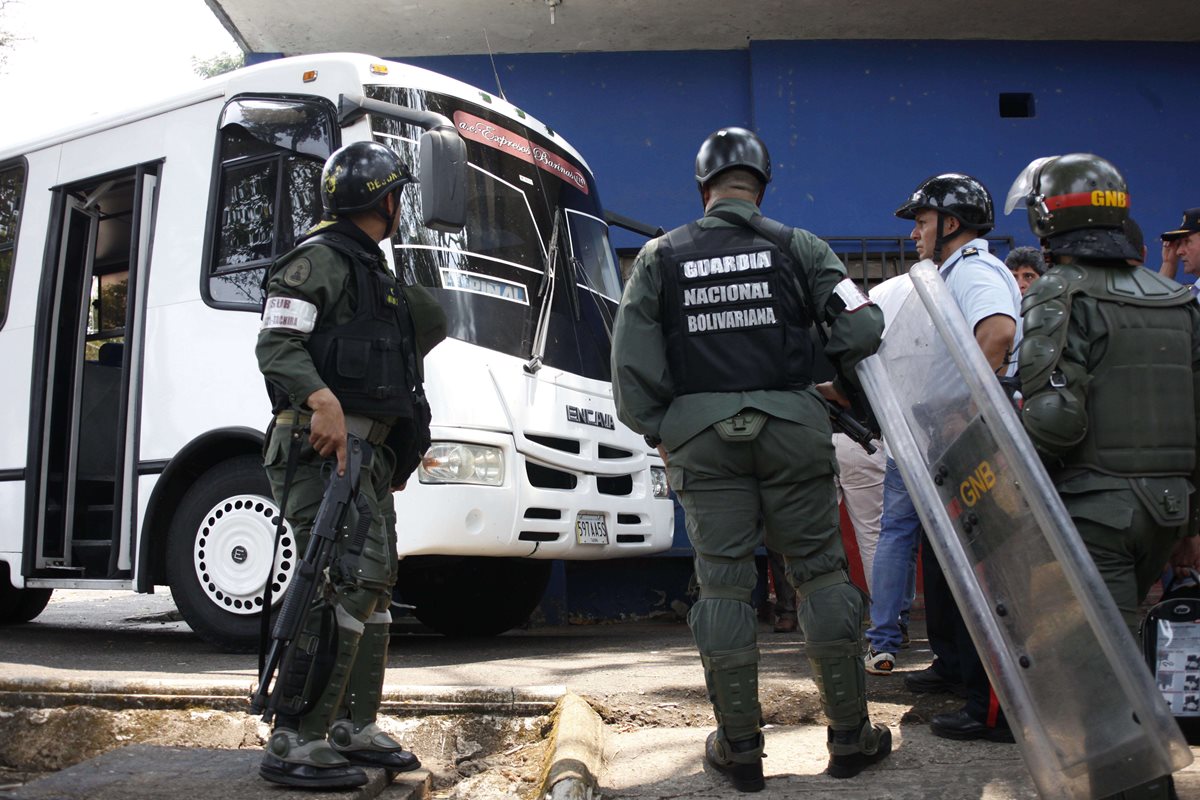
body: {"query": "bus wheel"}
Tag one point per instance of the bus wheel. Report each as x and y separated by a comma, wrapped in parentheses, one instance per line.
(472, 596)
(19, 605)
(219, 553)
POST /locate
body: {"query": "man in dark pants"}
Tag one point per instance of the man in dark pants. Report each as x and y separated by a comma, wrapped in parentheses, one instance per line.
(951, 213)
(340, 354)
(712, 362)
(1110, 366)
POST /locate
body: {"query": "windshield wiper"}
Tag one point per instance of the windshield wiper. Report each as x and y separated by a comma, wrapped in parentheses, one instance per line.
(606, 317)
(546, 293)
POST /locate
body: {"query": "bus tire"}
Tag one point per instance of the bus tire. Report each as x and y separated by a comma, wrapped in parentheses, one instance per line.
(218, 554)
(472, 596)
(18, 606)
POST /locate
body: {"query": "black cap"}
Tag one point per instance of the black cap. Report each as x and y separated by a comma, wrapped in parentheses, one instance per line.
(1190, 225)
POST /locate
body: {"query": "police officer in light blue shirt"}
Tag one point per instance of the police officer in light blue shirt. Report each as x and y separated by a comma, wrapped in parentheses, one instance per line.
(951, 214)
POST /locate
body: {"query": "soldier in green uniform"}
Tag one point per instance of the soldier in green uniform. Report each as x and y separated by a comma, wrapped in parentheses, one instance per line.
(713, 362)
(340, 354)
(1109, 369)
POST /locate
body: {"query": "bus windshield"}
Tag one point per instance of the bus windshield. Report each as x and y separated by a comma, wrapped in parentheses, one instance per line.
(494, 276)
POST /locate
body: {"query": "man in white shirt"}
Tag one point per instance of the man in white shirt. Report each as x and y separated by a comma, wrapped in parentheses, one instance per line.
(950, 213)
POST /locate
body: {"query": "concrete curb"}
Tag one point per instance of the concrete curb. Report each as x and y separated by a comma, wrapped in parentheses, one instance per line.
(233, 696)
(576, 753)
(150, 772)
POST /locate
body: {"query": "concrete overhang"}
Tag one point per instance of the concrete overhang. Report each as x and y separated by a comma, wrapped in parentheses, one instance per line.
(399, 28)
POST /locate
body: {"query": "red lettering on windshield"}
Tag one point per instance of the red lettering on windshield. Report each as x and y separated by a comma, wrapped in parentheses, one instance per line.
(480, 130)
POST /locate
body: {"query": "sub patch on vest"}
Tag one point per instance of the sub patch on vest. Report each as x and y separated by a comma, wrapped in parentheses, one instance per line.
(290, 314)
(723, 265)
(731, 320)
(727, 293)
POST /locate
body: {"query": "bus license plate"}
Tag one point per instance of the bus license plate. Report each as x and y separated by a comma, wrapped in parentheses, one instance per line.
(591, 529)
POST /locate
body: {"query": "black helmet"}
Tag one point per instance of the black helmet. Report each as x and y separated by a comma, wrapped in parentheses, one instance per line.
(358, 176)
(956, 195)
(1077, 203)
(732, 147)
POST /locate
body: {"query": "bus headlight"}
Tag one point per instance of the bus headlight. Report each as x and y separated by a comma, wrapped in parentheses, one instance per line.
(658, 481)
(455, 462)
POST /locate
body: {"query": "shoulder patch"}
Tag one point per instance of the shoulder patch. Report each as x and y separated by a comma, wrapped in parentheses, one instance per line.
(970, 251)
(297, 272)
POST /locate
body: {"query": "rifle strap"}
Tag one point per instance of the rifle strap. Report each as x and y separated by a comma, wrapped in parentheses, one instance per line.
(264, 631)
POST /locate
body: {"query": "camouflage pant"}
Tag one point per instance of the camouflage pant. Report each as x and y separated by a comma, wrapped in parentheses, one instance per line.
(357, 589)
(779, 488)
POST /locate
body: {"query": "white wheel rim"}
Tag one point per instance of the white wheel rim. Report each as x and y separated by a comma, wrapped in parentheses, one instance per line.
(232, 552)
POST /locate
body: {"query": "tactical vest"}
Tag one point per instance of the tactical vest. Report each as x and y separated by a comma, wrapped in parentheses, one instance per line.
(732, 314)
(1146, 364)
(369, 362)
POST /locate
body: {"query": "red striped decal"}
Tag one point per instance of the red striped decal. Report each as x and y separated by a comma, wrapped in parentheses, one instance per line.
(1069, 200)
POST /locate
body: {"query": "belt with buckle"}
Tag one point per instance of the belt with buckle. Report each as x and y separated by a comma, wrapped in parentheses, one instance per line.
(374, 431)
(292, 417)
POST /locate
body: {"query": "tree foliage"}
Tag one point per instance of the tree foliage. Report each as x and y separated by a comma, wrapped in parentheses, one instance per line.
(217, 65)
(7, 38)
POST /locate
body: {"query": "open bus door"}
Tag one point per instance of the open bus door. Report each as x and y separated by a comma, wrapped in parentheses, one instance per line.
(81, 490)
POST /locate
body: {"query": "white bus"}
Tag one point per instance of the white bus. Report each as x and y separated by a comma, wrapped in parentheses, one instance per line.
(131, 255)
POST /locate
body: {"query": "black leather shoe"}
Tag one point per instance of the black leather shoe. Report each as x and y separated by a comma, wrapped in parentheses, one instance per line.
(306, 776)
(928, 681)
(395, 761)
(745, 777)
(962, 726)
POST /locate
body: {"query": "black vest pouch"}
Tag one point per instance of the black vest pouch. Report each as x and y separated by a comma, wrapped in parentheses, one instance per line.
(1165, 499)
(353, 358)
(743, 426)
(369, 361)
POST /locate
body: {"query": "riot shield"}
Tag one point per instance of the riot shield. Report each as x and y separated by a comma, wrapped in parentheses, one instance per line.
(1082, 704)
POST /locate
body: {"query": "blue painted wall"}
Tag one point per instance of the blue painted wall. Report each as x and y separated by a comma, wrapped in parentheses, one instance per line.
(853, 126)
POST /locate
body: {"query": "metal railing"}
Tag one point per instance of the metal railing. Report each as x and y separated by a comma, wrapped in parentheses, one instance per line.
(871, 260)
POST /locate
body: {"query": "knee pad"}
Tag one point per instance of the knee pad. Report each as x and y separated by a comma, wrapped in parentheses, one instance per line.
(726, 579)
(834, 611)
(357, 602)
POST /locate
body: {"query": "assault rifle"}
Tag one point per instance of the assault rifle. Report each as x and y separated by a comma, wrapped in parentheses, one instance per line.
(340, 492)
(844, 421)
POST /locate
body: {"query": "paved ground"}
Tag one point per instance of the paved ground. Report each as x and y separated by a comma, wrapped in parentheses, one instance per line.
(643, 678)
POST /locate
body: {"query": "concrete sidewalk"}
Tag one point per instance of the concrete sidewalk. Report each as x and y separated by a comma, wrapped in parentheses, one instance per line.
(640, 733)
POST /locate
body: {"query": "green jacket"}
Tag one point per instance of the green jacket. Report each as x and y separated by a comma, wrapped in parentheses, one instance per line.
(642, 386)
(319, 275)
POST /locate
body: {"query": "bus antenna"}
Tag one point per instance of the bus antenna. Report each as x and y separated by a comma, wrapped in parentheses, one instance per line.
(499, 88)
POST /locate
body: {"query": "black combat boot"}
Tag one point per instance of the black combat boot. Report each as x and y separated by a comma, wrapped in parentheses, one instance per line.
(741, 760)
(291, 761)
(850, 752)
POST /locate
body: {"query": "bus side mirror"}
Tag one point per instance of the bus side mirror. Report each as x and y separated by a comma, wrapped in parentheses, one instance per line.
(443, 177)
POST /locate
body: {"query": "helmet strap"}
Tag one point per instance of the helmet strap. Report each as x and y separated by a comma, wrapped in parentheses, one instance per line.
(383, 214)
(939, 238)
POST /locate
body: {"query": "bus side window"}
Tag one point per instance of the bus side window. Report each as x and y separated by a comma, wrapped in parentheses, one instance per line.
(268, 194)
(12, 187)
